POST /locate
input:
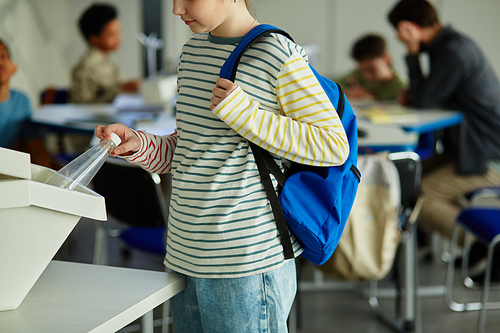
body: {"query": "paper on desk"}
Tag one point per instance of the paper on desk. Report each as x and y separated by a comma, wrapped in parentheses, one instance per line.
(388, 114)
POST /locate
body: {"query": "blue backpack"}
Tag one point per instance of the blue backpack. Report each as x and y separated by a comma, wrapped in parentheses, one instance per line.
(314, 202)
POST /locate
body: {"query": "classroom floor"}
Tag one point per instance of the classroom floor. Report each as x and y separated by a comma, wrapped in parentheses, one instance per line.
(342, 310)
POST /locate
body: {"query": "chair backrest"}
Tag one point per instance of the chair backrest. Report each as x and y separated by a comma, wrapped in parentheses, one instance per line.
(133, 195)
(54, 96)
(410, 174)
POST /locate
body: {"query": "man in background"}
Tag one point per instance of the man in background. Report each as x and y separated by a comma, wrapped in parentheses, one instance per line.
(460, 78)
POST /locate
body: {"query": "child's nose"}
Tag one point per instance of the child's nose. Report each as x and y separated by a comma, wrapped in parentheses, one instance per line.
(178, 8)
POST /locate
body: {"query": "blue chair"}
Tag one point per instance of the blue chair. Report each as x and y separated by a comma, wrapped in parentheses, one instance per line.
(482, 220)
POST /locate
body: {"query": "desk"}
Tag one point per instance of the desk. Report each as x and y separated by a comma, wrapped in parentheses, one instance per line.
(400, 136)
(408, 132)
(82, 118)
(72, 297)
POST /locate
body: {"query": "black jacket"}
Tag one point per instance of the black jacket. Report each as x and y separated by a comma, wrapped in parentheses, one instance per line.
(460, 78)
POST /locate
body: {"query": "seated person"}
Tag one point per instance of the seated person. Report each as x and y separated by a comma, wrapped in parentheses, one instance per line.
(374, 78)
(16, 130)
(96, 78)
(460, 78)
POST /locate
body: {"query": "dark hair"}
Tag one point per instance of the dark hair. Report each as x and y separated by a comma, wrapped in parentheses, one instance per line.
(368, 47)
(95, 18)
(6, 47)
(420, 12)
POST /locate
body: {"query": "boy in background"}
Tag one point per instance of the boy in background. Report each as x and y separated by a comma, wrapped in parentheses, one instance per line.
(374, 78)
(96, 78)
(16, 130)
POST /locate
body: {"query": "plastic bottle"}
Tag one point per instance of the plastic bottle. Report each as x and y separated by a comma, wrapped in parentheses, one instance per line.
(82, 169)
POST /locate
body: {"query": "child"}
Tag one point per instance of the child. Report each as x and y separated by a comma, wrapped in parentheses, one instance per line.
(16, 130)
(374, 78)
(96, 78)
(221, 232)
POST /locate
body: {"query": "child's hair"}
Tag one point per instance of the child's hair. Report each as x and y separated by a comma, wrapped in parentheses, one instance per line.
(420, 12)
(368, 47)
(95, 18)
(5, 46)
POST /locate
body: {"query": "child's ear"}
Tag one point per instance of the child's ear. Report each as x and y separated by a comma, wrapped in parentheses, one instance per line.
(93, 40)
(387, 57)
(14, 68)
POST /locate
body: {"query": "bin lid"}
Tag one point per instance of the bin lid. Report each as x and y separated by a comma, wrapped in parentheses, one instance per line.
(14, 164)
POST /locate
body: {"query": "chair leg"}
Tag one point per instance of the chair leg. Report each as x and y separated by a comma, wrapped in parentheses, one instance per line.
(410, 278)
(467, 281)
(450, 272)
(460, 307)
(410, 294)
(486, 288)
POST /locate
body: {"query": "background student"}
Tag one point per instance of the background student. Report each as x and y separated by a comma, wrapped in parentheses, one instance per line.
(460, 78)
(16, 130)
(221, 233)
(96, 78)
(374, 78)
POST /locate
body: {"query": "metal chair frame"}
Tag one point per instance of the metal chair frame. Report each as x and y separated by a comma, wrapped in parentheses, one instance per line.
(483, 198)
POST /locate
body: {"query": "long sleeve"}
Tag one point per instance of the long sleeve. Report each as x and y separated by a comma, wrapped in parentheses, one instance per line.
(307, 130)
(156, 152)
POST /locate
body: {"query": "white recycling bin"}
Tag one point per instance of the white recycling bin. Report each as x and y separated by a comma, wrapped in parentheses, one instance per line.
(35, 220)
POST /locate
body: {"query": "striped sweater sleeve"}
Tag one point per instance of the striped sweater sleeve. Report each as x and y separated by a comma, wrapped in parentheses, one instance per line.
(307, 130)
(156, 152)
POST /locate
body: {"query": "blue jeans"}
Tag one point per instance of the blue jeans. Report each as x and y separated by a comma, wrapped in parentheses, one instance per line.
(257, 303)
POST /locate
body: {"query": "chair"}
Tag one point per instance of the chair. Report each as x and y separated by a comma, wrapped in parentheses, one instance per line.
(53, 95)
(137, 199)
(410, 173)
(480, 219)
(409, 168)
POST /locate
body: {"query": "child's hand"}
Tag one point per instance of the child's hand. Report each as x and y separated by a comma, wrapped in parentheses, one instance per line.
(357, 92)
(130, 86)
(223, 88)
(130, 141)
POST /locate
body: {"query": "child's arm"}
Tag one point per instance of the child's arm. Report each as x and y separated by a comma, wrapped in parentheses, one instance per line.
(153, 153)
(308, 129)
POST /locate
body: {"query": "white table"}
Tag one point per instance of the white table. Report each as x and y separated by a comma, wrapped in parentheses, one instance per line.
(71, 297)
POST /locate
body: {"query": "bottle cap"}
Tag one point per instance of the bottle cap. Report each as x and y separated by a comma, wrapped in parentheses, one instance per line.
(116, 139)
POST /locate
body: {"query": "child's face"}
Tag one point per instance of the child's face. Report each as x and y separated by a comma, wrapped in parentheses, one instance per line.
(110, 37)
(377, 69)
(7, 68)
(203, 15)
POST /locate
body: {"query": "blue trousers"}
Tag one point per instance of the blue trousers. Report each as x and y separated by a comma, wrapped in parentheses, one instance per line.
(257, 303)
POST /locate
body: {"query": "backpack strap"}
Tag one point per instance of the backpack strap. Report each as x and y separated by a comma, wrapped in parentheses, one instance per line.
(228, 70)
(265, 162)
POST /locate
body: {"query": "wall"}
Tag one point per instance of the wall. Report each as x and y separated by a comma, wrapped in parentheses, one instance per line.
(335, 24)
(46, 43)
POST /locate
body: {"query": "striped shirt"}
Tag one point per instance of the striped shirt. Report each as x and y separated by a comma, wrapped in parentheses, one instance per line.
(220, 222)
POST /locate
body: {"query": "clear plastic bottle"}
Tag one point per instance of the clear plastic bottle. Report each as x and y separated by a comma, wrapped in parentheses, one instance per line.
(82, 169)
